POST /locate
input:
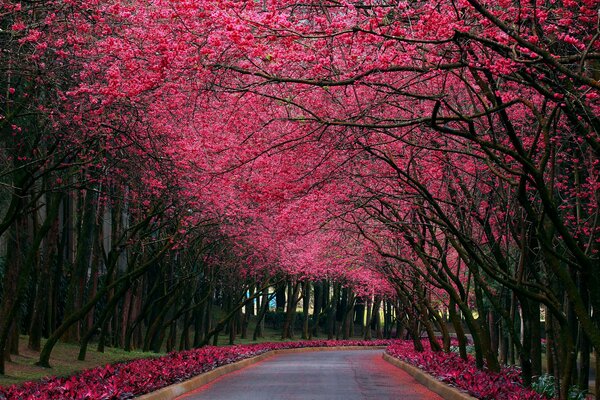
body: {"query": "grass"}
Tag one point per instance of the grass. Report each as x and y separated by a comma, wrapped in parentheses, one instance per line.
(64, 361)
(269, 335)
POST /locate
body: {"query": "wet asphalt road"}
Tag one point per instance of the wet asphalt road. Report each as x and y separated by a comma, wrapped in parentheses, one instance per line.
(343, 375)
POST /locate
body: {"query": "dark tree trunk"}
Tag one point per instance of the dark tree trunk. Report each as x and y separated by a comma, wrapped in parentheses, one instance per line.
(376, 316)
(199, 318)
(331, 312)
(14, 337)
(40, 304)
(208, 319)
(264, 307)
(280, 297)
(458, 329)
(75, 317)
(525, 355)
(414, 329)
(9, 307)
(17, 273)
(536, 338)
(387, 319)
(100, 323)
(341, 312)
(597, 368)
(359, 315)
(184, 341)
(85, 240)
(250, 306)
(305, 309)
(584, 342)
(288, 329)
(348, 316)
(367, 331)
(443, 328)
(171, 337)
(318, 307)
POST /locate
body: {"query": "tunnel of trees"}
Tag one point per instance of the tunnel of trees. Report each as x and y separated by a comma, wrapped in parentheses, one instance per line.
(170, 168)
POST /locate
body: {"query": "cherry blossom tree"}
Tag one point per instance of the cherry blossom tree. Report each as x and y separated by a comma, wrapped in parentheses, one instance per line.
(448, 147)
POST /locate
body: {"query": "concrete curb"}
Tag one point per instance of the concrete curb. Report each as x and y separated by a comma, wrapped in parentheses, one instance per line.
(173, 391)
(444, 390)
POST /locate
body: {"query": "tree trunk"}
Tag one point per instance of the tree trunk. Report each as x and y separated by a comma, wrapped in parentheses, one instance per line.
(367, 333)
(17, 272)
(331, 311)
(264, 307)
(250, 306)
(288, 329)
(40, 303)
(568, 354)
(199, 319)
(377, 318)
(584, 343)
(525, 355)
(458, 329)
(441, 323)
(536, 338)
(305, 309)
(85, 240)
(359, 315)
(75, 317)
(184, 341)
(597, 368)
(100, 323)
(318, 306)
(348, 316)
(155, 334)
(9, 305)
(280, 297)
(387, 319)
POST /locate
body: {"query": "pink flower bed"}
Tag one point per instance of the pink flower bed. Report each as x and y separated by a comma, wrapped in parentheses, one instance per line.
(133, 378)
(453, 370)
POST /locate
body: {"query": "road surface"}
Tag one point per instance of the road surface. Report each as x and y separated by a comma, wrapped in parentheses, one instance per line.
(343, 375)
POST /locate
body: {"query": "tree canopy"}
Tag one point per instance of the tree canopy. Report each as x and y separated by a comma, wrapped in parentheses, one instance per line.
(442, 153)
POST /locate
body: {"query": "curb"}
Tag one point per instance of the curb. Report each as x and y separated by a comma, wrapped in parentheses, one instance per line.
(446, 391)
(173, 391)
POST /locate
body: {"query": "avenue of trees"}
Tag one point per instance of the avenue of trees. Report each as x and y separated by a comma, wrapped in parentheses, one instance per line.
(170, 167)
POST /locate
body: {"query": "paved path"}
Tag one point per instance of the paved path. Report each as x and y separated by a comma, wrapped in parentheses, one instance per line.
(343, 375)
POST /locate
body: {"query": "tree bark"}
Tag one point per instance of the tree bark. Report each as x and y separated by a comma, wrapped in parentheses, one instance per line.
(318, 306)
(305, 309)
(84, 250)
(331, 311)
(264, 307)
(18, 270)
(288, 329)
(367, 333)
(458, 329)
(75, 317)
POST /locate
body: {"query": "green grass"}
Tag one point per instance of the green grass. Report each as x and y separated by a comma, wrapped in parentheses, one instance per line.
(269, 335)
(64, 361)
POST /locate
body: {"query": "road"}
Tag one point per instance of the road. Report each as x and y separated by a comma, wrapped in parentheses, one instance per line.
(344, 375)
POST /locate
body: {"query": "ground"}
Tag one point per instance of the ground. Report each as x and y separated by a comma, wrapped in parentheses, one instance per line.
(64, 361)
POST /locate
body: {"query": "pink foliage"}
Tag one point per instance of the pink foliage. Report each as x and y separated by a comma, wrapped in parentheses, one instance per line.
(453, 370)
(273, 163)
(134, 378)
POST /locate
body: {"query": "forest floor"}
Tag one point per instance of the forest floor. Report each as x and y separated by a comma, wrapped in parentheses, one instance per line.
(64, 361)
